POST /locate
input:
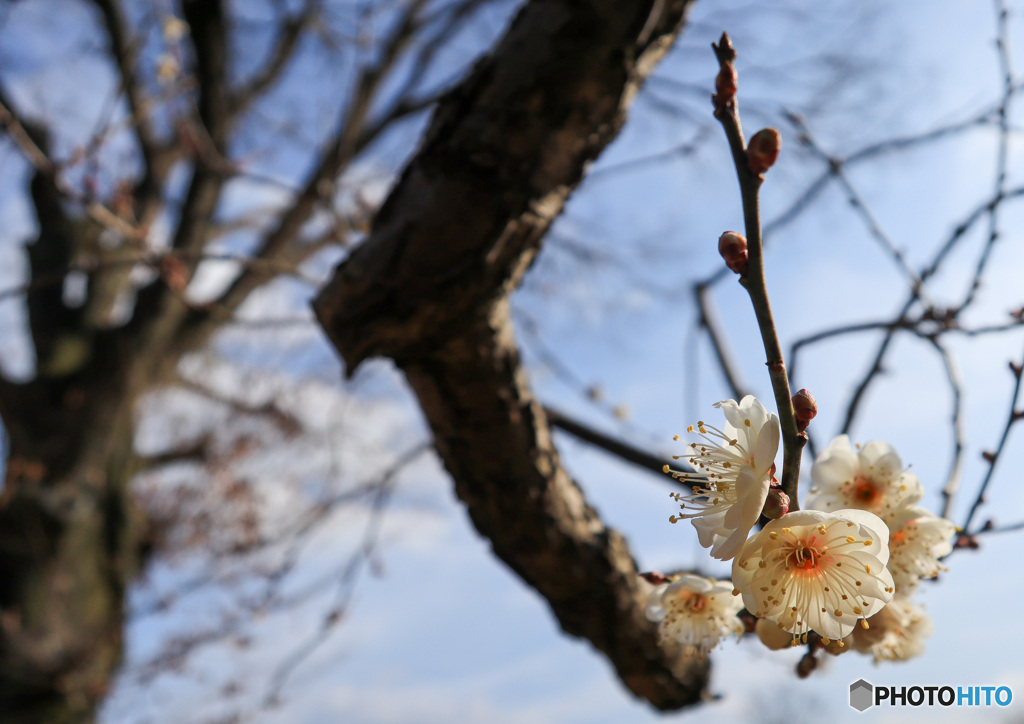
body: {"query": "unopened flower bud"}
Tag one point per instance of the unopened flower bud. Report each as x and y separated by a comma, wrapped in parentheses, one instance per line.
(733, 248)
(772, 635)
(807, 664)
(655, 578)
(725, 84)
(763, 150)
(776, 504)
(805, 408)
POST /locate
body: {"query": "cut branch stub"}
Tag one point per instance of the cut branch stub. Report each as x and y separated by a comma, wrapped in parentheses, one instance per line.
(429, 288)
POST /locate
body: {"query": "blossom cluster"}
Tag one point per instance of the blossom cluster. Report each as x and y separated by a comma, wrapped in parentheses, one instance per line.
(855, 554)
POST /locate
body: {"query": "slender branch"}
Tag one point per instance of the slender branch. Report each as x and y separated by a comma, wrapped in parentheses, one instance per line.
(22, 139)
(1008, 528)
(814, 189)
(710, 323)
(159, 261)
(197, 451)
(619, 448)
(350, 140)
(258, 84)
(124, 58)
(957, 422)
(1003, 153)
(992, 458)
(860, 206)
(345, 580)
(753, 280)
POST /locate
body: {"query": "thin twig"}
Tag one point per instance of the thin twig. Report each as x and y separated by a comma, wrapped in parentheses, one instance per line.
(859, 205)
(957, 422)
(345, 581)
(992, 458)
(631, 454)
(753, 280)
(1003, 153)
(708, 321)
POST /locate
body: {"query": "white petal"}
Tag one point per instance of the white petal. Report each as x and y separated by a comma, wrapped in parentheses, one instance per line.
(834, 467)
(798, 517)
(732, 412)
(880, 455)
(767, 444)
(707, 527)
(697, 584)
(914, 490)
(754, 411)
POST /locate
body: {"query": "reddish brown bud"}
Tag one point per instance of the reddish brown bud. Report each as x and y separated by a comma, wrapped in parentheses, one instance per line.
(655, 578)
(807, 664)
(725, 85)
(763, 150)
(776, 504)
(733, 248)
(967, 541)
(804, 408)
(748, 619)
(174, 273)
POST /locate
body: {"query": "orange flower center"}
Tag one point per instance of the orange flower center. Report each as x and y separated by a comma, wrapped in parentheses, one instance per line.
(691, 602)
(866, 491)
(806, 555)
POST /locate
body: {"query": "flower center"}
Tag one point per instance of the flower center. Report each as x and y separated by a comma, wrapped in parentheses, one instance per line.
(866, 491)
(690, 602)
(806, 555)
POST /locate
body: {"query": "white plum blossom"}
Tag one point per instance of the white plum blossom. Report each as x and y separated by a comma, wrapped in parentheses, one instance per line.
(895, 633)
(871, 478)
(734, 470)
(810, 570)
(917, 540)
(695, 612)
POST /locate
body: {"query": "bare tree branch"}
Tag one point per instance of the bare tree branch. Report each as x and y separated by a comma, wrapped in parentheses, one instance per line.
(613, 446)
(429, 289)
(289, 31)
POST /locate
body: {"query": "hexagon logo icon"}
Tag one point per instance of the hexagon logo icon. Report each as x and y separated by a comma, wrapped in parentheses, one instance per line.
(861, 695)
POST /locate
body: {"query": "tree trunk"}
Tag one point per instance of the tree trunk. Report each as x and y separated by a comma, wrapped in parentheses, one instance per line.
(66, 544)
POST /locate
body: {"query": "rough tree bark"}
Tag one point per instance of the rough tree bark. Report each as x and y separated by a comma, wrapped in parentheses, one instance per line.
(67, 543)
(429, 288)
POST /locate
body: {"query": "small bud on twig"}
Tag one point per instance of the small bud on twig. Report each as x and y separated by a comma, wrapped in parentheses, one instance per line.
(967, 541)
(807, 664)
(174, 273)
(776, 504)
(805, 408)
(655, 578)
(763, 150)
(726, 80)
(749, 620)
(733, 247)
(726, 84)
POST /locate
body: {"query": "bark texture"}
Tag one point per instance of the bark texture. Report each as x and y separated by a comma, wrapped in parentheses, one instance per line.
(429, 288)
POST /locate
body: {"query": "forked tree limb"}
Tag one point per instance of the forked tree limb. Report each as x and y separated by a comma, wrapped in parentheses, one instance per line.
(429, 288)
